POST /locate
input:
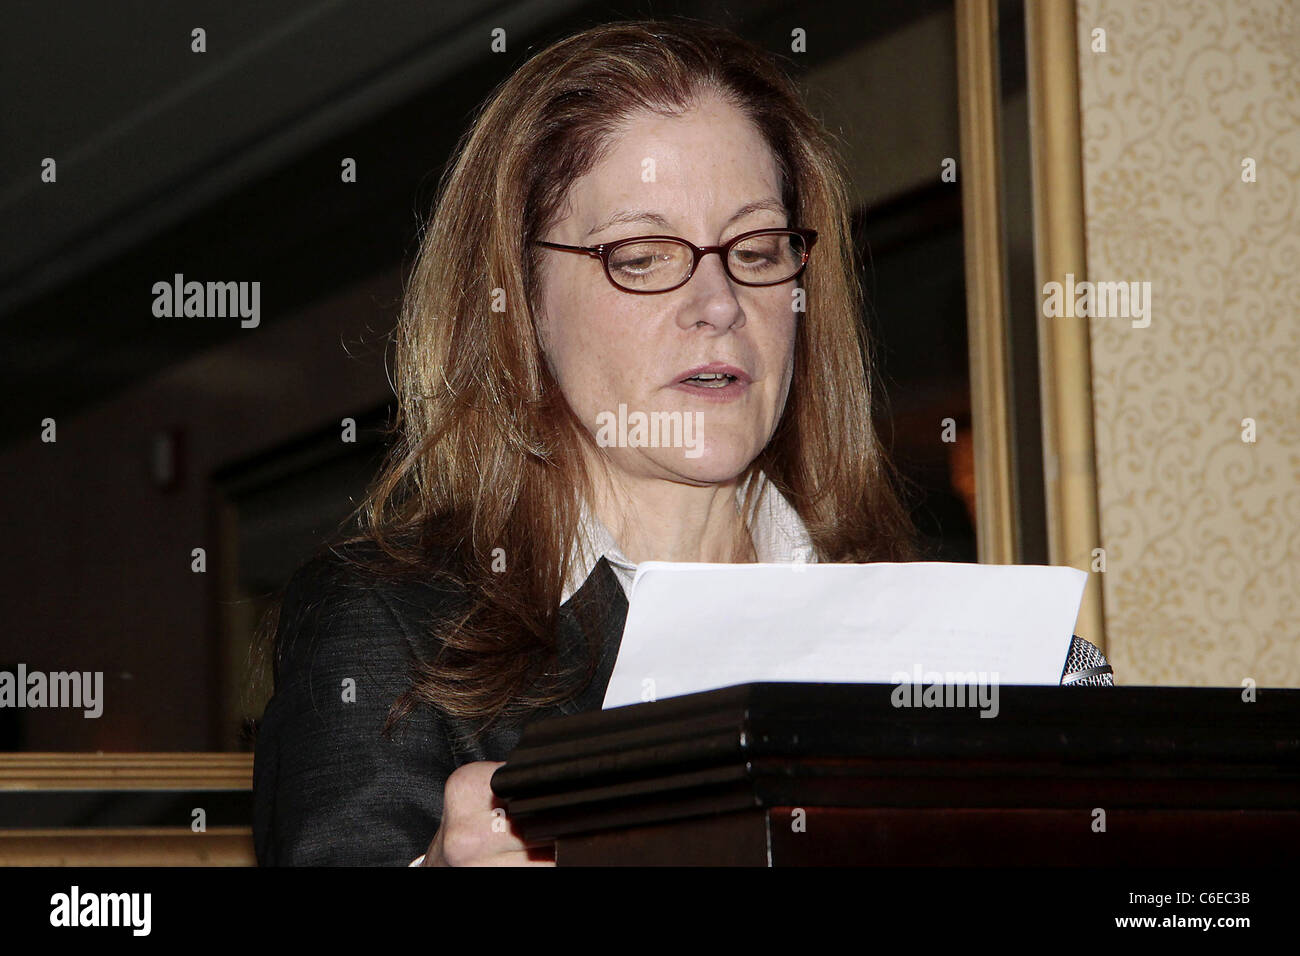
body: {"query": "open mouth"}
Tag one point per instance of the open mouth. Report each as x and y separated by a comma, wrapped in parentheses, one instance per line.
(710, 380)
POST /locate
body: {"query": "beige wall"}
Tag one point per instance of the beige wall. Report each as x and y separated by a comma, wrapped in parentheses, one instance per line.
(1201, 529)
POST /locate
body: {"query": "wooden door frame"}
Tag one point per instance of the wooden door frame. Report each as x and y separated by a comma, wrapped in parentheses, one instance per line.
(1069, 458)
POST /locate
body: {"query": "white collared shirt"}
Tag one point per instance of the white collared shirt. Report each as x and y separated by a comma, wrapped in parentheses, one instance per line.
(779, 535)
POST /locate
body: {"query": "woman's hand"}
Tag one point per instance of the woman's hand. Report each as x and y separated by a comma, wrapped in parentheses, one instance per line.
(475, 830)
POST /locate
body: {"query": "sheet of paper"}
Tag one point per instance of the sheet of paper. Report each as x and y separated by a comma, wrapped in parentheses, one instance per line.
(697, 627)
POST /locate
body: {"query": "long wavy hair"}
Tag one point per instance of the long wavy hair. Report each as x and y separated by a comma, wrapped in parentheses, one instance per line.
(487, 454)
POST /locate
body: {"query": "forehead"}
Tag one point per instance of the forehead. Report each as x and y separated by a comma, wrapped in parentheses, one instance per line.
(695, 163)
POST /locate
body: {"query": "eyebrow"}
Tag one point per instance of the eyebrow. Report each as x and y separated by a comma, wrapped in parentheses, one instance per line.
(657, 219)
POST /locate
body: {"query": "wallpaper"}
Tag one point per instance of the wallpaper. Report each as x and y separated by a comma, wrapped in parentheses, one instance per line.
(1191, 149)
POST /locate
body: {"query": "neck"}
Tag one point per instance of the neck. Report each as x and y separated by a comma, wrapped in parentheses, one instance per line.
(653, 519)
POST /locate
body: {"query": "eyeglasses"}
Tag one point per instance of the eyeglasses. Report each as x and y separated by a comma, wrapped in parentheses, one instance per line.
(647, 265)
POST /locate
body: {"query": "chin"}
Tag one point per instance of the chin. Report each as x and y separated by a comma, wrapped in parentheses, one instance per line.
(710, 463)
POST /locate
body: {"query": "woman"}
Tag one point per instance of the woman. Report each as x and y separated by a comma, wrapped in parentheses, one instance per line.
(489, 587)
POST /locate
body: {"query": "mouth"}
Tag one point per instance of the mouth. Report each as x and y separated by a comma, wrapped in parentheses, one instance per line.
(715, 380)
(709, 380)
(713, 375)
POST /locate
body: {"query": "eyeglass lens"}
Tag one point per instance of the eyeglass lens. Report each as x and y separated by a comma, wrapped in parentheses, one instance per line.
(656, 264)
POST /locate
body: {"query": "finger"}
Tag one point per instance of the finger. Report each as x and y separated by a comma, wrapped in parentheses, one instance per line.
(510, 859)
(543, 852)
(500, 831)
(498, 812)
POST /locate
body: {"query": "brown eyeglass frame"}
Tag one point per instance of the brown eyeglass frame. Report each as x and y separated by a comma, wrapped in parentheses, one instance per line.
(603, 251)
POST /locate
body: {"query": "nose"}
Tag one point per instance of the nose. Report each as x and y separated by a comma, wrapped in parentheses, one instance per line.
(711, 297)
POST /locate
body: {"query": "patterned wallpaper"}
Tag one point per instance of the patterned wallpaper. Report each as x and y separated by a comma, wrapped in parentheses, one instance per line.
(1201, 527)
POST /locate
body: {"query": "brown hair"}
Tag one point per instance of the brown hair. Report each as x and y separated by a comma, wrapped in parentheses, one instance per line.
(486, 453)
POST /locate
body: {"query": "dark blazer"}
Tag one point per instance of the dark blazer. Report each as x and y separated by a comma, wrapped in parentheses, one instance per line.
(328, 788)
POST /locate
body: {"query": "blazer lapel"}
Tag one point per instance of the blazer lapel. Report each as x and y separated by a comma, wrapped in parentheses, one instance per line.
(597, 612)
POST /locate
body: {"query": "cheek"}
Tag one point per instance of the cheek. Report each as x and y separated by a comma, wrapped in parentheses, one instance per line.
(589, 352)
(781, 355)
(784, 326)
(562, 334)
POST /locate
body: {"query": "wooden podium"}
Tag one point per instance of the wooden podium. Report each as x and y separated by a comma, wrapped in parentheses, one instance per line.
(838, 774)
